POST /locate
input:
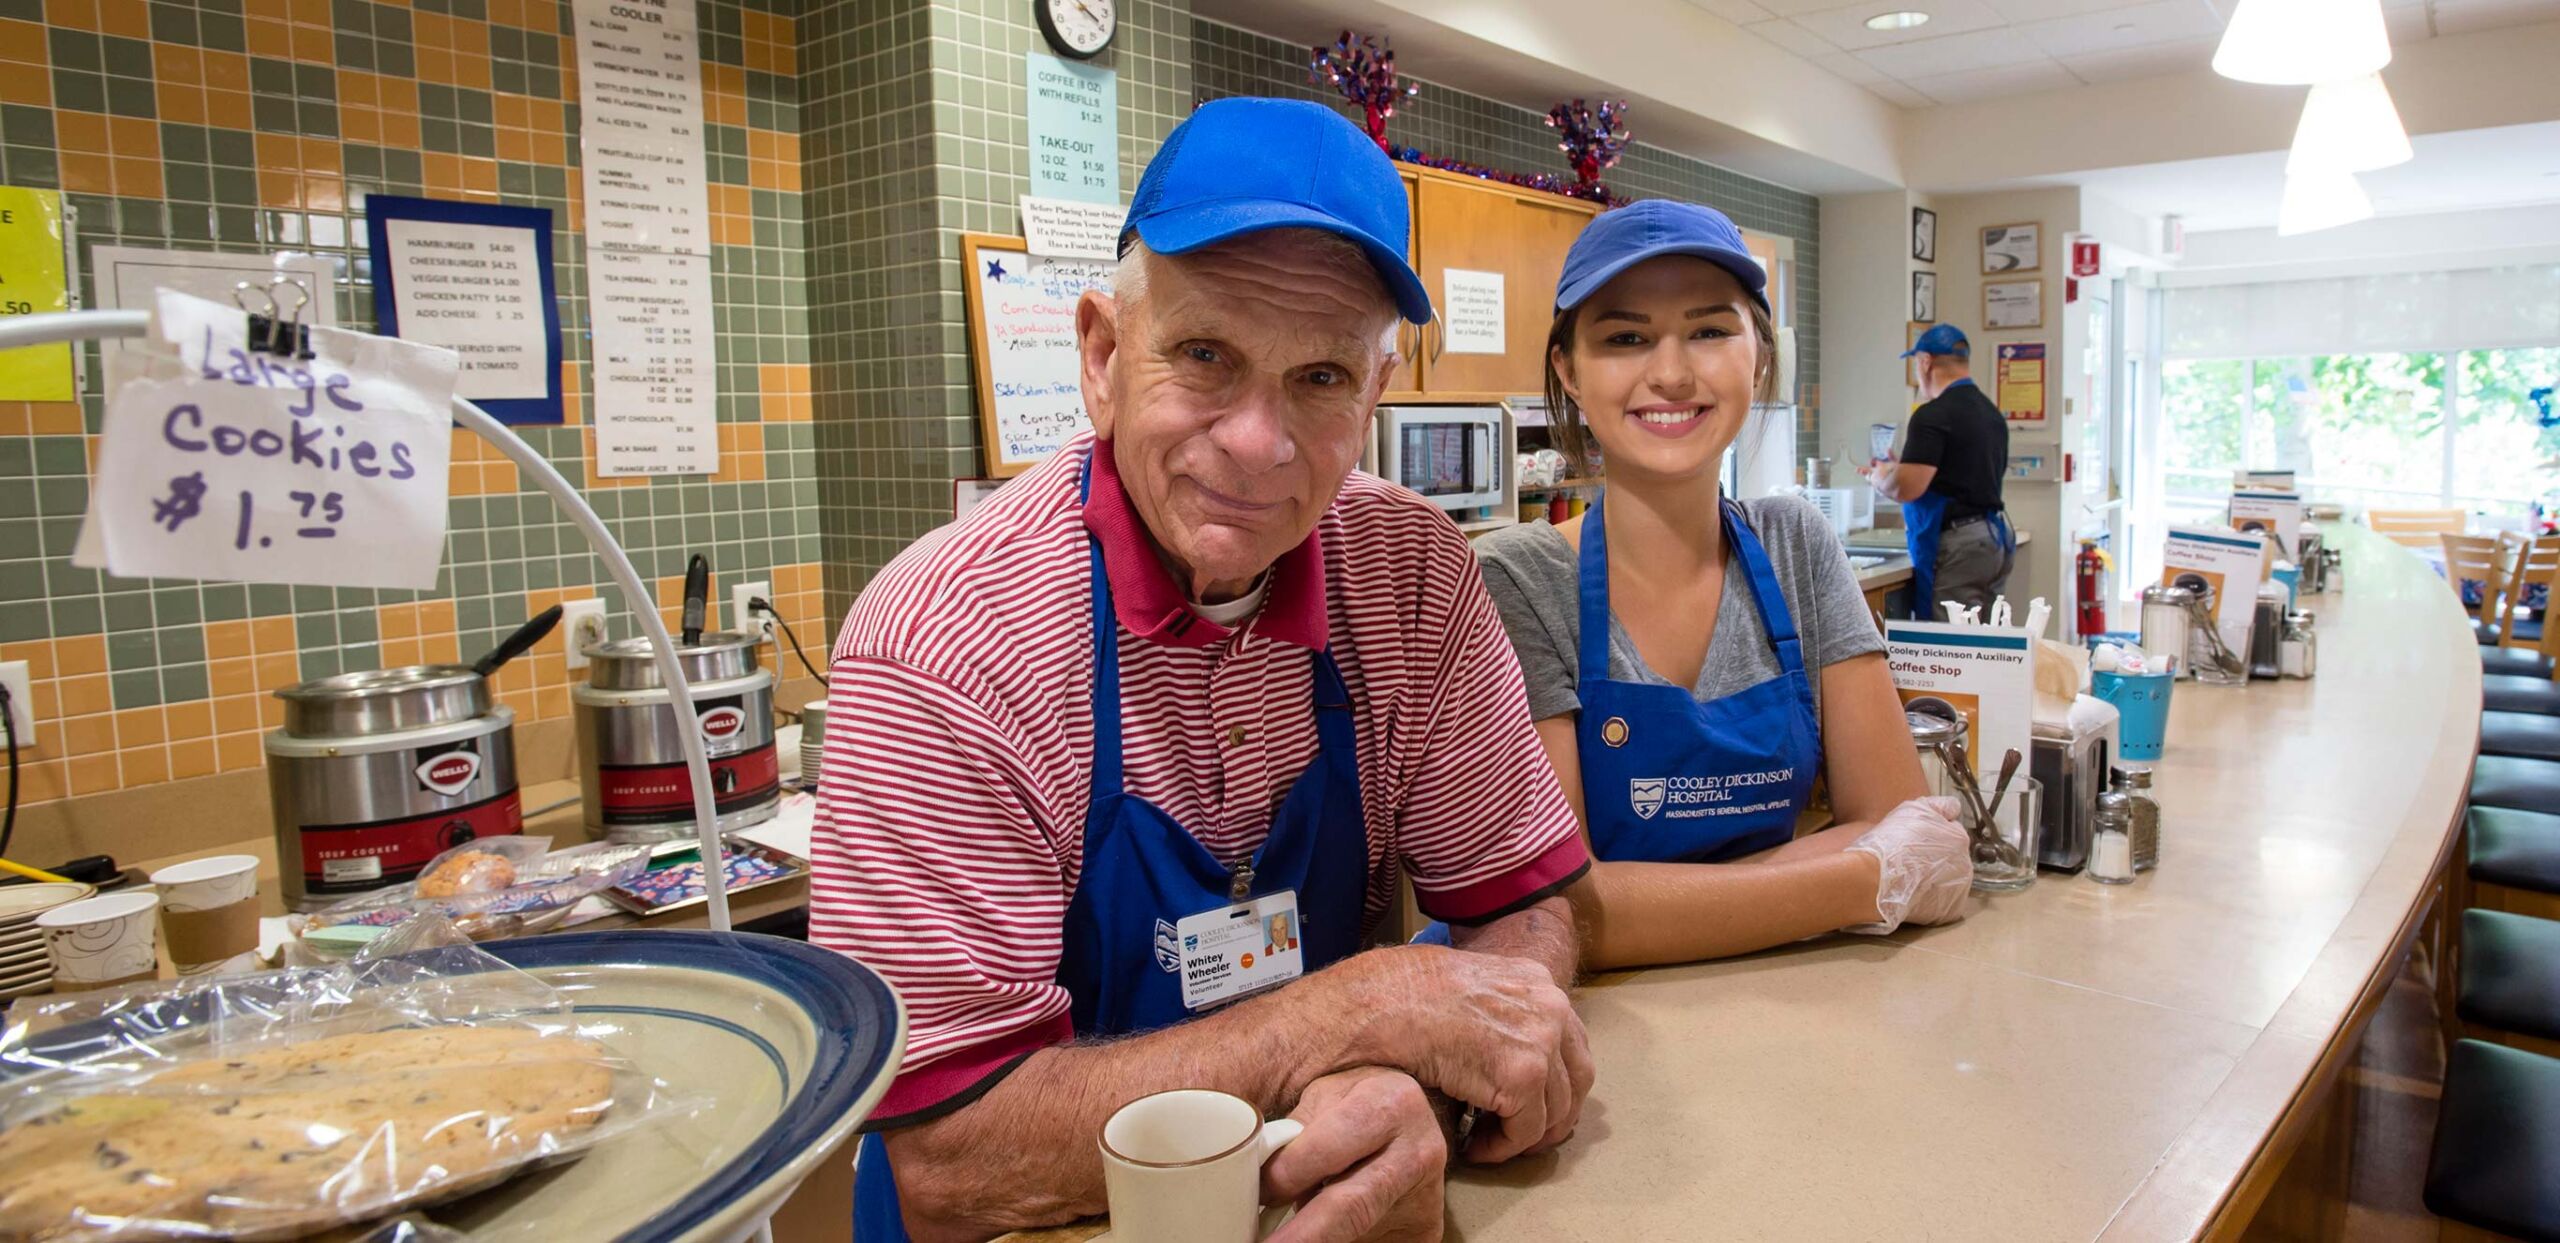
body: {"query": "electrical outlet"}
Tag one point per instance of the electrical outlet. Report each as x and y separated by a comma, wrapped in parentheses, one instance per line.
(583, 622)
(750, 620)
(22, 703)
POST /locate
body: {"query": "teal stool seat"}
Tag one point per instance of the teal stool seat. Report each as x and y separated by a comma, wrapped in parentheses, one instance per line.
(2517, 849)
(2508, 781)
(2510, 973)
(2496, 1164)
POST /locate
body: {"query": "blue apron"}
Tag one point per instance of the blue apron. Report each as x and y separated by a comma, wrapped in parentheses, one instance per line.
(1924, 521)
(1143, 873)
(1667, 778)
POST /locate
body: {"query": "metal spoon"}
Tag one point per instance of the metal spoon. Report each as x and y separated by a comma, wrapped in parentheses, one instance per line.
(2009, 854)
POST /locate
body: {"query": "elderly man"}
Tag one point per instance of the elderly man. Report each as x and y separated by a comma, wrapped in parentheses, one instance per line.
(1186, 677)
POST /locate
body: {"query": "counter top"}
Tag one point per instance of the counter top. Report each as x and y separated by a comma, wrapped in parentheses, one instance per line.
(2076, 1061)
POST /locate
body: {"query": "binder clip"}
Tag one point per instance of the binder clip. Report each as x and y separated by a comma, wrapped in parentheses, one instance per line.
(272, 333)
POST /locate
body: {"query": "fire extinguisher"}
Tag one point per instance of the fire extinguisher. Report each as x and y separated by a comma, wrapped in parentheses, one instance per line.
(2090, 569)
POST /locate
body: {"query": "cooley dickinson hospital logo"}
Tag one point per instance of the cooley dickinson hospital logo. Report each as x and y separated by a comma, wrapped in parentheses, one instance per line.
(1646, 794)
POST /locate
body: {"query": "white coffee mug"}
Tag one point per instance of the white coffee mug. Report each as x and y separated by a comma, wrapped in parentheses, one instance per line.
(1186, 1167)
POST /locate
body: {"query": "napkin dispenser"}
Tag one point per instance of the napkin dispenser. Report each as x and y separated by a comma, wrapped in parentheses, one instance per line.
(2070, 761)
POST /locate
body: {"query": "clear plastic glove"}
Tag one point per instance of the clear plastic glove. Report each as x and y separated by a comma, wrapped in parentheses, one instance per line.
(1925, 861)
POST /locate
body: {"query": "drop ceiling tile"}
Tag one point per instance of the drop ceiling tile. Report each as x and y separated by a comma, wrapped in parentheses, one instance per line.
(1850, 68)
(2042, 10)
(2455, 17)
(1792, 37)
(1983, 49)
(2164, 21)
(1893, 92)
(1794, 8)
(2026, 79)
(1846, 27)
(2149, 61)
(1739, 12)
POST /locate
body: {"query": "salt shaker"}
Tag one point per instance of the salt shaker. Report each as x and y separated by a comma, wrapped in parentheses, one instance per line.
(2136, 784)
(2111, 845)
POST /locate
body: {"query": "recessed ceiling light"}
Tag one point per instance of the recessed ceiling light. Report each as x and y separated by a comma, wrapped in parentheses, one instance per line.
(1899, 19)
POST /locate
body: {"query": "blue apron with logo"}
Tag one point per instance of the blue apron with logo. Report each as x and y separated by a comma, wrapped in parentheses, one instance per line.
(1665, 777)
(1924, 521)
(1143, 873)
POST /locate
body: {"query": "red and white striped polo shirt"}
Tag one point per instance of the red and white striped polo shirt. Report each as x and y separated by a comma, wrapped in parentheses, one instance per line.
(960, 740)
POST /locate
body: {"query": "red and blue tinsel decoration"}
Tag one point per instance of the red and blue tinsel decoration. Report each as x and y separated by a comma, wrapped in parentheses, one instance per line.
(1590, 191)
(1591, 137)
(1365, 72)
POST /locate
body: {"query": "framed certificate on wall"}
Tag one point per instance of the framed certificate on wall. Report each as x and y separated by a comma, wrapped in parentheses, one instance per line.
(1924, 297)
(2012, 248)
(2012, 304)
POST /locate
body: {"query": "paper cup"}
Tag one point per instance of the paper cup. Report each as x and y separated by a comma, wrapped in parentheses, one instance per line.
(102, 942)
(209, 911)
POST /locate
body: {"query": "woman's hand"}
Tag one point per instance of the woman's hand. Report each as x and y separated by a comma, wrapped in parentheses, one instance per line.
(1924, 864)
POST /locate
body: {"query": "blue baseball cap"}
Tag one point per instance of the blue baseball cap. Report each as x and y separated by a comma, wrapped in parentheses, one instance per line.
(1239, 166)
(1623, 237)
(1943, 340)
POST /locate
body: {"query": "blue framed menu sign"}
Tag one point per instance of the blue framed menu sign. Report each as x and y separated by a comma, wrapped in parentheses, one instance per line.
(475, 278)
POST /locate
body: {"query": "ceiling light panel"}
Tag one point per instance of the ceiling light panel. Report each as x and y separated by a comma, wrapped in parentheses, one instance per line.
(2302, 42)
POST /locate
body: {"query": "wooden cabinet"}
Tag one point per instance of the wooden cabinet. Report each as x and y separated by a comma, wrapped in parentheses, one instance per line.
(1481, 226)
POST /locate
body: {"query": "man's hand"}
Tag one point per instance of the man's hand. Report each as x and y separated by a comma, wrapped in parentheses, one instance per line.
(1492, 1031)
(1369, 1165)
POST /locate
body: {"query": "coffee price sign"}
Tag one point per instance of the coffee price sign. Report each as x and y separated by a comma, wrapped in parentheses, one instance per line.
(323, 466)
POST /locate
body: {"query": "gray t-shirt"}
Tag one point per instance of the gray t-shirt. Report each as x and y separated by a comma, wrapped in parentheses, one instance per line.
(1533, 572)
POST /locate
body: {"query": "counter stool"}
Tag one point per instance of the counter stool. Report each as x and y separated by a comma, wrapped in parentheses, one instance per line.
(2496, 1164)
(2510, 781)
(2513, 849)
(2510, 692)
(2514, 661)
(2531, 735)
(2510, 978)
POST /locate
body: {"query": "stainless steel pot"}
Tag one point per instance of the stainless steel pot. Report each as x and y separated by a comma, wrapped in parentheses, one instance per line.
(375, 773)
(631, 758)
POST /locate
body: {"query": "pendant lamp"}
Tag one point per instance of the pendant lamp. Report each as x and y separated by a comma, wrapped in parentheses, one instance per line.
(2321, 199)
(2302, 42)
(2348, 126)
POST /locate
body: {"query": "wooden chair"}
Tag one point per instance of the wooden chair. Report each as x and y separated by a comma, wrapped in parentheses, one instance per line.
(2416, 528)
(2474, 558)
(2535, 562)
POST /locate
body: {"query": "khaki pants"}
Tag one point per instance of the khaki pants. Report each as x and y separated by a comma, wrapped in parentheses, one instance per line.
(1972, 566)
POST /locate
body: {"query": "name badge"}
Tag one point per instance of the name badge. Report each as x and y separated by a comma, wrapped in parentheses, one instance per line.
(1235, 951)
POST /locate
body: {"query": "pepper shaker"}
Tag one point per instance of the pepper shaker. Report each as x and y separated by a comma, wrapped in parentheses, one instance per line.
(2136, 784)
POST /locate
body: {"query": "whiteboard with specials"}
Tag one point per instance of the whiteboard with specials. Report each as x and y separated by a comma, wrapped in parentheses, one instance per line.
(1022, 341)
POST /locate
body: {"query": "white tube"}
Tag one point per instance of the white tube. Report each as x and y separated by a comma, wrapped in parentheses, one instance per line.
(59, 326)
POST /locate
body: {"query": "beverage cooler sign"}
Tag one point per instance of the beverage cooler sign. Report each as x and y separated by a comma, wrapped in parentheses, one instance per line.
(230, 462)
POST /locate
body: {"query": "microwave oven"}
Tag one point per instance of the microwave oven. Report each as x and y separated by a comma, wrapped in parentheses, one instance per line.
(1455, 455)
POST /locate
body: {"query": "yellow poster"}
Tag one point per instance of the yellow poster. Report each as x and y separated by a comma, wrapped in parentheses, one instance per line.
(31, 282)
(2019, 386)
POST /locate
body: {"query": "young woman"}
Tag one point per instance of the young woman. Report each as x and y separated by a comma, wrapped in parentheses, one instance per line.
(1693, 661)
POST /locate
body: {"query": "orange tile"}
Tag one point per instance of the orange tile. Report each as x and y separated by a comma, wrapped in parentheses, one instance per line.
(182, 104)
(278, 671)
(435, 617)
(231, 110)
(138, 177)
(443, 649)
(31, 85)
(129, 18)
(136, 727)
(225, 639)
(269, 635)
(76, 14)
(38, 653)
(86, 695)
(22, 42)
(237, 676)
(88, 735)
(85, 654)
(398, 652)
(234, 752)
(58, 418)
(226, 71)
(314, 44)
(270, 712)
(521, 701)
(551, 703)
(44, 700)
(145, 766)
(396, 621)
(190, 720)
(271, 39)
(192, 759)
(515, 145)
(85, 132)
(233, 714)
(92, 774)
(43, 781)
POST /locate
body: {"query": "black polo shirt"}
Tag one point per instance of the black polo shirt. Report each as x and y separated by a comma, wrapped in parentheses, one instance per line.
(1963, 434)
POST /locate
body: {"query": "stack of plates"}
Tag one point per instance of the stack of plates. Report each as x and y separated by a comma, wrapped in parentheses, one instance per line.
(24, 965)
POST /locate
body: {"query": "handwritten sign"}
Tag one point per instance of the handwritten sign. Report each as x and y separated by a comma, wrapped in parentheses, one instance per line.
(1069, 229)
(1073, 115)
(1471, 311)
(657, 397)
(31, 283)
(242, 465)
(1022, 327)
